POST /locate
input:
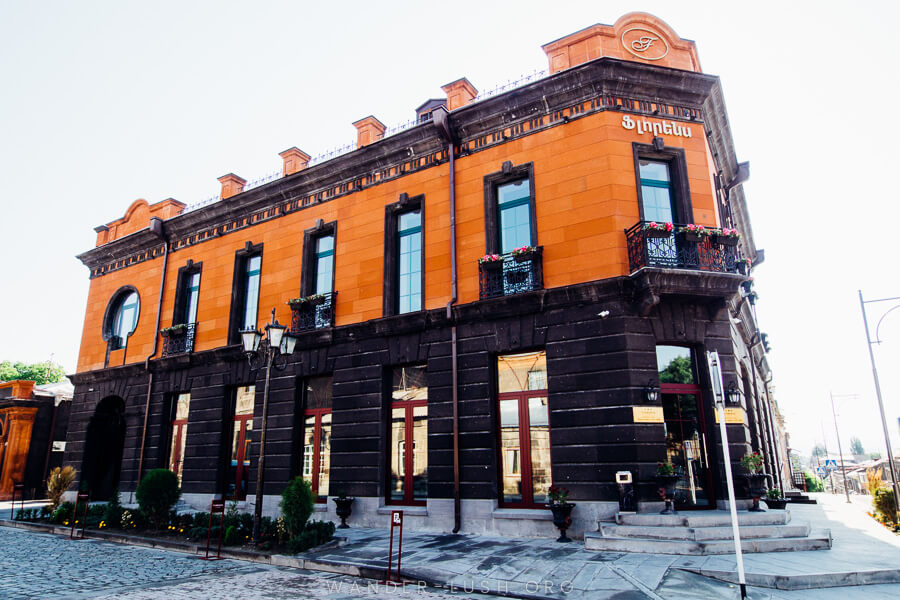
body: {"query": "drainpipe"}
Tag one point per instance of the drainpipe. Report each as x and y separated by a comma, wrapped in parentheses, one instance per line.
(156, 227)
(441, 120)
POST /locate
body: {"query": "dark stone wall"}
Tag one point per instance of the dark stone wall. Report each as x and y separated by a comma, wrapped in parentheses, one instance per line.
(597, 370)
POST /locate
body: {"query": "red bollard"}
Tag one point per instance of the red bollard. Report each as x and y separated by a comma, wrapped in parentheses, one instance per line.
(78, 498)
(18, 487)
(396, 521)
(215, 507)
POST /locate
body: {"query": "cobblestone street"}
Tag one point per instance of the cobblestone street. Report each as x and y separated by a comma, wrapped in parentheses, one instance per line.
(38, 565)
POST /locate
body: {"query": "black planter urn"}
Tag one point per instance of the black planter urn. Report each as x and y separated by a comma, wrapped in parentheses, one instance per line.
(756, 484)
(777, 504)
(667, 488)
(562, 518)
(343, 510)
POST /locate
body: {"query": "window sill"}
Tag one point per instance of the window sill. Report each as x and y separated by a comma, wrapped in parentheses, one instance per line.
(417, 511)
(533, 514)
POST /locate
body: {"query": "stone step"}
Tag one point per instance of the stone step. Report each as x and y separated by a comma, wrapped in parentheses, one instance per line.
(799, 498)
(704, 533)
(597, 541)
(710, 518)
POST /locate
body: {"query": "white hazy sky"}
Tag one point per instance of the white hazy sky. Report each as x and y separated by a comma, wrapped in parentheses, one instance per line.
(102, 103)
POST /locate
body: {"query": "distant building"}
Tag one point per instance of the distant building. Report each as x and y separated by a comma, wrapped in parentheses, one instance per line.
(33, 422)
(517, 289)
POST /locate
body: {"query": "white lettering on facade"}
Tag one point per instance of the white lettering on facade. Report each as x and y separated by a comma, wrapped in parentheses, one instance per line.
(656, 127)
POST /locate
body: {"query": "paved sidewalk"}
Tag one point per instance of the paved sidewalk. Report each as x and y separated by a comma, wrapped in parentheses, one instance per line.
(863, 553)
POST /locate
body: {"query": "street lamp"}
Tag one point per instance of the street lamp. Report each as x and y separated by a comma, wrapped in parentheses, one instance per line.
(279, 343)
(887, 438)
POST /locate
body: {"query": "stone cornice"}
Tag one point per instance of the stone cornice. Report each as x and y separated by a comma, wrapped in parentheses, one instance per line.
(599, 85)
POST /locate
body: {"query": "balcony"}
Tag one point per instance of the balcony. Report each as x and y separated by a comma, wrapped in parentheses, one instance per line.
(672, 251)
(511, 274)
(178, 339)
(313, 312)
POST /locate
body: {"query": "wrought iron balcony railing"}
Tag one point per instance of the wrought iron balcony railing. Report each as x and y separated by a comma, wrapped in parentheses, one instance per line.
(178, 341)
(511, 274)
(315, 314)
(673, 251)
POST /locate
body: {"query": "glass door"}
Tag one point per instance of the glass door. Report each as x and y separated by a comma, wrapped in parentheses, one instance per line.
(686, 446)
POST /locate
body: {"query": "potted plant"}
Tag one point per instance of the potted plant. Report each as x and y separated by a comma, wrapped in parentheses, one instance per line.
(743, 265)
(666, 478)
(728, 237)
(562, 510)
(491, 262)
(657, 230)
(173, 330)
(756, 479)
(775, 500)
(343, 509)
(525, 253)
(694, 233)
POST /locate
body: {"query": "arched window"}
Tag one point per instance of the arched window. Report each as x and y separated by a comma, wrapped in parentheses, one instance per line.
(122, 317)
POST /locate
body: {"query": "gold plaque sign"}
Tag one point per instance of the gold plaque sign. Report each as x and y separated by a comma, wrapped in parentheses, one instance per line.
(648, 414)
(735, 416)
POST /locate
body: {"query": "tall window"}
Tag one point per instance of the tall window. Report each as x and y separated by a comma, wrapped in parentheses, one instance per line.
(122, 319)
(251, 291)
(409, 268)
(514, 206)
(181, 408)
(324, 264)
(408, 452)
(245, 291)
(316, 445)
(241, 442)
(656, 191)
(192, 296)
(524, 429)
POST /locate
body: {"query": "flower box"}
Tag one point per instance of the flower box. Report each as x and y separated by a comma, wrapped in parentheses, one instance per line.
(658, 230)
(727, 240)
(524, 254)
(692, 237)
(491, 262)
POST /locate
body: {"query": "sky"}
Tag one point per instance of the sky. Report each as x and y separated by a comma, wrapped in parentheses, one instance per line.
(102, 103)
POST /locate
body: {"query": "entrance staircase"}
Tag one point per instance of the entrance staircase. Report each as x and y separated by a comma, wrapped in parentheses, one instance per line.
(798, 497)
(705, 532)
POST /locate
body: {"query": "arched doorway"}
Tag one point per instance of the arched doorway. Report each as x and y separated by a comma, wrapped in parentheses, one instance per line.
(102, 462)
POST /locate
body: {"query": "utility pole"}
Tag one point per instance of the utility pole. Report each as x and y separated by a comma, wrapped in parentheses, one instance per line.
(840, 452)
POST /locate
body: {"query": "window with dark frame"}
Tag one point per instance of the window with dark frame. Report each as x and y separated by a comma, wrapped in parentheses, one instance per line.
(524, 420)
(181, 404)
(662, 183)
(318, 259)
(245, 291)
(316, 441)
(408, 462)
(404, 256)
(509, 209)
(238, 479)
(187, 294)
(122, 317)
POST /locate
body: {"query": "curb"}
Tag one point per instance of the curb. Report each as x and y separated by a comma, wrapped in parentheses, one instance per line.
(803, 582)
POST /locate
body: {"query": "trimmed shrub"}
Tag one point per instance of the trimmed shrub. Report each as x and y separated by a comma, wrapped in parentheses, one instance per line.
(314, 534)
(58, 482)
(813, 483)
(157, 494)
(231, 536)
(62, 513)
(296, 504)
(884, 504)
(112, 516)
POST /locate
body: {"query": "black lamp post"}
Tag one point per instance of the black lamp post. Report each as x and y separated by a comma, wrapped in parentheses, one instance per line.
(279, 344)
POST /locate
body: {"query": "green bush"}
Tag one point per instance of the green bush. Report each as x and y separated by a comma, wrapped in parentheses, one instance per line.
(884, 504)
(157, 494)
(813, 483)
(63, 513)
(296, 504)
(314, 534)
(231, 536)
(112, 516)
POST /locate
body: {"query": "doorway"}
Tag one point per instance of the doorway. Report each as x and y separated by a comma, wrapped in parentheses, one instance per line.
(686, 438)
(102, 463)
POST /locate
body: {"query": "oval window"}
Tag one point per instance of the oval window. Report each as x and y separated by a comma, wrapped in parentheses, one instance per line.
(122, 319)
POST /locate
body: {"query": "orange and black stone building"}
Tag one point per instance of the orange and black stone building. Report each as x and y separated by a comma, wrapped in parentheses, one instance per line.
(517, 290)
